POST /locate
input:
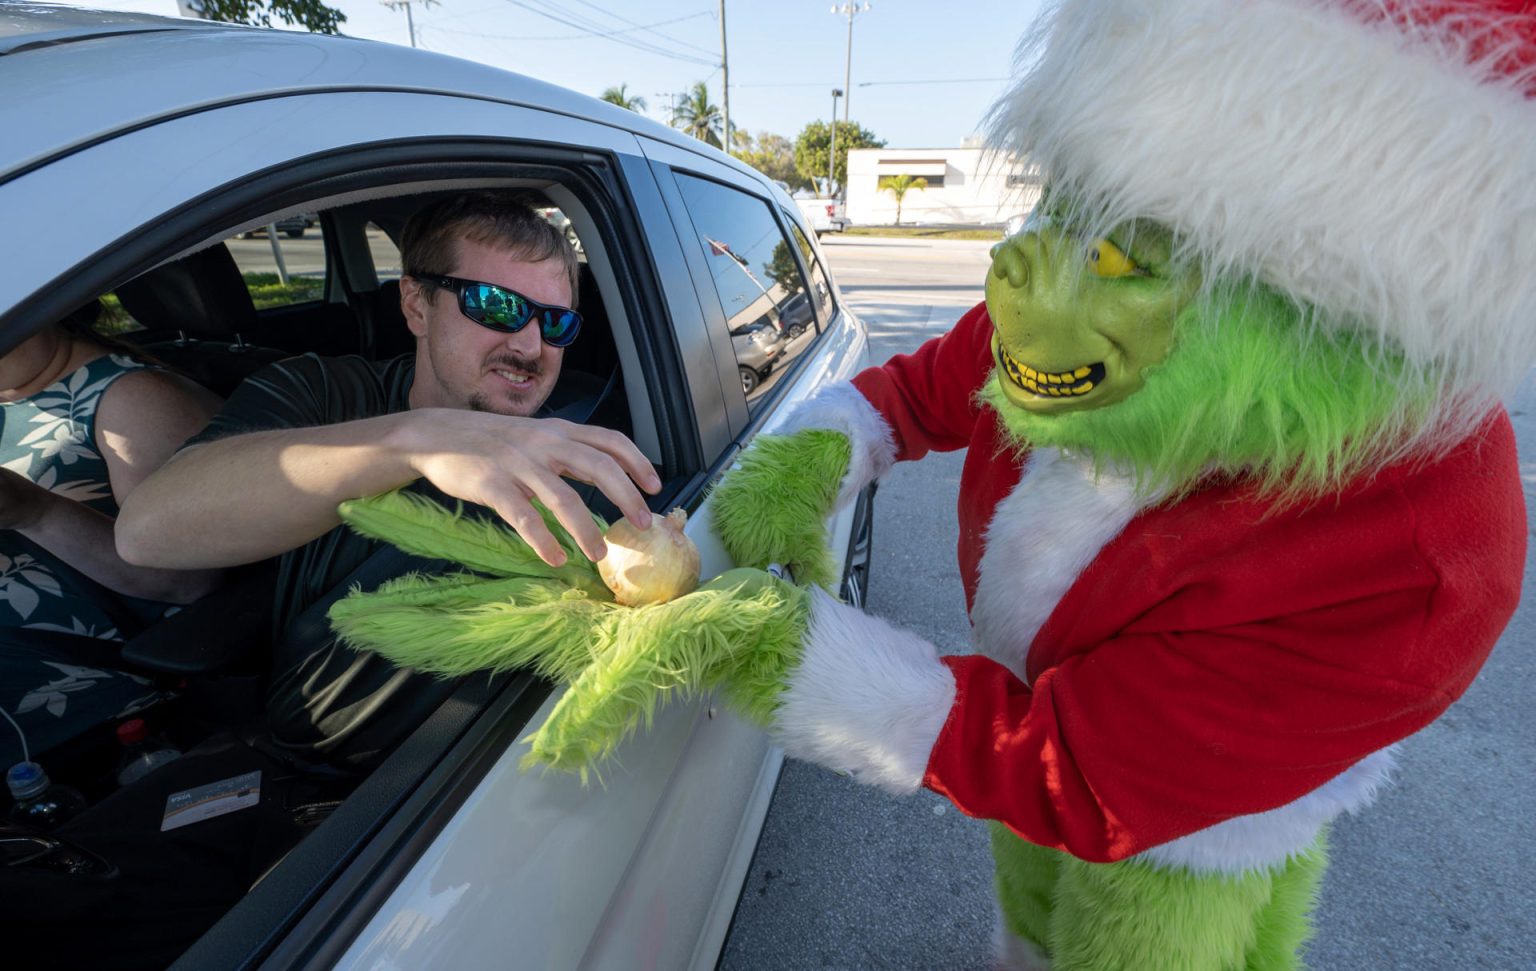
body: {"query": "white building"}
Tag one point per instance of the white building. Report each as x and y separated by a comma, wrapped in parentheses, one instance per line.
(967, 185)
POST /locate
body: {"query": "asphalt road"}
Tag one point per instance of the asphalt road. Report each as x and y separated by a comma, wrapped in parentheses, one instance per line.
(1439, 874)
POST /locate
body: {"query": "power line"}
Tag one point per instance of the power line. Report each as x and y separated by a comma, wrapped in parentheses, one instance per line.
(583, 36)
(626, 41)
(865, 84)
(647, 28)
(543, 8)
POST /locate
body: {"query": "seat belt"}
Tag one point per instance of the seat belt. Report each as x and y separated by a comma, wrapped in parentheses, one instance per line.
(328, 702)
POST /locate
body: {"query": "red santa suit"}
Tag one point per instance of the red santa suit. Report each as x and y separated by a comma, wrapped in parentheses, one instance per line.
(1208, 679)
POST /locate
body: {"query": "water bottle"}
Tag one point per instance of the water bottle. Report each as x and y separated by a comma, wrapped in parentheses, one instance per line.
(142, 754)
(40, 803)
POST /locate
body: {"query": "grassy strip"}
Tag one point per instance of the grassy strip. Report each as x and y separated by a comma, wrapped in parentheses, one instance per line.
(267, 291)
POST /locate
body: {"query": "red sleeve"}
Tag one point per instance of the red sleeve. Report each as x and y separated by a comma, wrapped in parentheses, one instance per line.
(928, 397)
(1231, 679)
(1151, 738)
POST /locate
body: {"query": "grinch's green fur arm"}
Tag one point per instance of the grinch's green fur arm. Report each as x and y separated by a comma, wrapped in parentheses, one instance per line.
(420, 526)
(741, 633)
(773, 507)
(451, 627)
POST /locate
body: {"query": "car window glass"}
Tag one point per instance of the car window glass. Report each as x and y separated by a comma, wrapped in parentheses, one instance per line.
(386, 255)
(283, 262)
(820, 290)
(562, 222)
(768, 308)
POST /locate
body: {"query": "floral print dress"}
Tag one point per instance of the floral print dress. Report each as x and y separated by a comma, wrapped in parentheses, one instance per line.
(60, 631)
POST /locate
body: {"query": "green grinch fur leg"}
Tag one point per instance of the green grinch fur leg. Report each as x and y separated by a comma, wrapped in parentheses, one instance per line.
(1112, 916)
(1026, 885)
(1286, 924)
(773, 508)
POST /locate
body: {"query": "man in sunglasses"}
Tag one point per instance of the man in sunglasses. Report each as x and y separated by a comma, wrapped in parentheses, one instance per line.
(488, 292)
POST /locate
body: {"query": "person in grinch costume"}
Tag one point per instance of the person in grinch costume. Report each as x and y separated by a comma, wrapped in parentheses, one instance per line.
(1240, 509)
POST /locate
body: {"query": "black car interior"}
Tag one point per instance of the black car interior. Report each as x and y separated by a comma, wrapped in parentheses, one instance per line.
(109, 888)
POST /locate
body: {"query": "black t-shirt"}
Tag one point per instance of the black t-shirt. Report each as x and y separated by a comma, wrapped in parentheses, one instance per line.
(308, 392)
(324, 700)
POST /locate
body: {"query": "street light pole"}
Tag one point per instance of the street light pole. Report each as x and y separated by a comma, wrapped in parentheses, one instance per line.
(725, 79)
(849, 10)
(832, 151)
(410, 21)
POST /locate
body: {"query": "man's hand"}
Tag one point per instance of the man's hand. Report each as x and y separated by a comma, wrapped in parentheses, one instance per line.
(504, 463)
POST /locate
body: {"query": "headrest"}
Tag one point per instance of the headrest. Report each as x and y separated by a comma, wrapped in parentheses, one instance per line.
(203, 295)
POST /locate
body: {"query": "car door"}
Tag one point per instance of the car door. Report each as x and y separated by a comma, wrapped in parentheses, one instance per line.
(545, 860)
(683, 872)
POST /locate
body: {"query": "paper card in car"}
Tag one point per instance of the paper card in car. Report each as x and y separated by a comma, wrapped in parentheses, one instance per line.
(214, 799)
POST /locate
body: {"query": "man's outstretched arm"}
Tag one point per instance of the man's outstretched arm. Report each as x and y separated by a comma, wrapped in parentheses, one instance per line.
(248, 497)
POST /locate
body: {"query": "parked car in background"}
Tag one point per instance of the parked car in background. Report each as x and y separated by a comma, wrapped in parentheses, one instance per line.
(759, 345)
(795, 315)
(560, 222)
(824, 215)
(442, 855)
(292, 226)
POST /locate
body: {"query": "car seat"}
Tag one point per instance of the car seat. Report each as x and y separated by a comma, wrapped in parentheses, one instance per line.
(198, 317)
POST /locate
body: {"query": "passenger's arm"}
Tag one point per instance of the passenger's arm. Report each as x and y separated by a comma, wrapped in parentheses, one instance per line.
(241, 499)
(142, 418)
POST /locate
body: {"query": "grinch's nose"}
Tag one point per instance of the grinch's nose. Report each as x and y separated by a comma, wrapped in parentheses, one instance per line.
(1009, 263)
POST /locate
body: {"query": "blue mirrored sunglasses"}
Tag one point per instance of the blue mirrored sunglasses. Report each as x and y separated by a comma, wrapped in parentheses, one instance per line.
(508, 311)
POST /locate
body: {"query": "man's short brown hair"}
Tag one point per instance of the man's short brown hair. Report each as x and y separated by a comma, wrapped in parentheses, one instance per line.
(502, 220)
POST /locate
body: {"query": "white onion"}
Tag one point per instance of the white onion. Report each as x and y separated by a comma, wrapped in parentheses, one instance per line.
(650, 566)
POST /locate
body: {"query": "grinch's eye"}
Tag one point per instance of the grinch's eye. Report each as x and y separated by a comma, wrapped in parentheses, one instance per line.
(1108, 261)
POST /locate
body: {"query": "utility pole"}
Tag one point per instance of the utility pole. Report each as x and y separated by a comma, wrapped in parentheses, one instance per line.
(850, 10)
(410, 21)
(832, 151)
(725, 79)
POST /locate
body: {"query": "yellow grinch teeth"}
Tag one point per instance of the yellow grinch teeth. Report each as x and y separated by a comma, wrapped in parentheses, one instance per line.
(1061, 384)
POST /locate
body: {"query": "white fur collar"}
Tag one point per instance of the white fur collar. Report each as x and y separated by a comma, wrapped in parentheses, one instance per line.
(1041, 538)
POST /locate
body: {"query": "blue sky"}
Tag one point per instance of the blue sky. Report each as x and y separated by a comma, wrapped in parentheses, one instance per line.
(786, 56)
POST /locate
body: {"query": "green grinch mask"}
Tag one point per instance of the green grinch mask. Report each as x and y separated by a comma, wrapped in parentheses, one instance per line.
(1114, 346)
(1078, 320)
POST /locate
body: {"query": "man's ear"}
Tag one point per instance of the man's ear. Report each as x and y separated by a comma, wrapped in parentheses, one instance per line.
(413, 304)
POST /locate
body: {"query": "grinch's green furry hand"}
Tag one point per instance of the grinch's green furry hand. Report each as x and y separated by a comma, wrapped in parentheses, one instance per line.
(740, 632)
(772, 508)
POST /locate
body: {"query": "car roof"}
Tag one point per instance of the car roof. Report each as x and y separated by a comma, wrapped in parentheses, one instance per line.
(93, 74)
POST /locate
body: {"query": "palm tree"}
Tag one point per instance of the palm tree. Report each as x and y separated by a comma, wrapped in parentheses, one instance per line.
(898, 185)
(620, 96)
(694, 115)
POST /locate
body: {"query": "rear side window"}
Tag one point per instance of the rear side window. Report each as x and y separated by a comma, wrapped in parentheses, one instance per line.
(283, 262)
(769, 309)
(385, 254)
(820, 290)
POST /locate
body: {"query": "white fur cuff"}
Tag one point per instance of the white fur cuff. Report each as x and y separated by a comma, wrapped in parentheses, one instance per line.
(841, 408)
(1270, 838)
(867, 699)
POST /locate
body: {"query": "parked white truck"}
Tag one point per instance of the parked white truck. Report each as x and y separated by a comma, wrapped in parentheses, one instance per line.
(824, 215)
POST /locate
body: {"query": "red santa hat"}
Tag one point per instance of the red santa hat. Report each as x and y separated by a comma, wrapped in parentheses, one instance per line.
(1374, 159)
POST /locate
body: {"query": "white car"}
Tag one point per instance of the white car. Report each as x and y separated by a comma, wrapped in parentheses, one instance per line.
(142, 151)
